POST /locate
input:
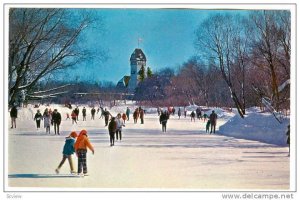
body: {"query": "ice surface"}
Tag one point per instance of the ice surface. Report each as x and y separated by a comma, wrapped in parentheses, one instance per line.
(183, 158)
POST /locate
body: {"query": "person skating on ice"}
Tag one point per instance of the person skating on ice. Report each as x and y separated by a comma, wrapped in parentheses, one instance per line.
(56, 120)
(38, 117)
(47, 120)
(84, 114)
(163, 119)
(213, 121)
(112, 127)
(81, 145)
(120, 124)
(13, 116)
(68, 150)
(106, 114)
(74, 117)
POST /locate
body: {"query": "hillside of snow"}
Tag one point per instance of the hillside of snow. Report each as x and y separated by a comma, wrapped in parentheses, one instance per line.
(256, 126)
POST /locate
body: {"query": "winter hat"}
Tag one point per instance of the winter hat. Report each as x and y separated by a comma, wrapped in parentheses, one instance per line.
(83, 132)
(73, 134)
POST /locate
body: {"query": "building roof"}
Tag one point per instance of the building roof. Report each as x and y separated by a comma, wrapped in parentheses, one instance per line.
(138, 54)
(123, 83)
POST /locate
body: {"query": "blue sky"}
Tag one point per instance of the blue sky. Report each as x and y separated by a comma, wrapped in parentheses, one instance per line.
(167, 40)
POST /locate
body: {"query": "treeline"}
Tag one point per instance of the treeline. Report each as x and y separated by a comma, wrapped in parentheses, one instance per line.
(73, 92)
(240, 60)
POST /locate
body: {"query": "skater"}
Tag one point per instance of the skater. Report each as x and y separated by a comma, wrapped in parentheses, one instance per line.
(56, 120)
(173, 110)
(185, 112)
(112, 127)
(124, 117)
(68, 150)
(74, 117)
(198, 112)
(179, 112)
(207, 126)
(135, 115)
(204, 117)
(288, 138)
(213, 121)
(76, 110)
(47, 121)
(93, 111)
(81, 145)
(102, 113)
(83, 114)
(127, 113)
(120, 124)
(142, 113)
(193, 116)
(106, 114)
(38, 117)
(163, 119)
(13, 116)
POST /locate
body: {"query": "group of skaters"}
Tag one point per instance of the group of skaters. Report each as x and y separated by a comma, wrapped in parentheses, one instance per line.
(50, 118)
(78, 146)
(211, 119)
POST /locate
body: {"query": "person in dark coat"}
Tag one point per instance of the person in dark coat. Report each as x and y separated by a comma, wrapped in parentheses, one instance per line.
(112, 127)
(77, 112)
(193, 116)
(207, 126)
(93, 111)
(135, 115)
(142, 115)
(84, 114)
(13, 116)
(163, 119)
(106, 114)
(173, 110)
(56, 120)
(213, 121)
(179, 113)
(127, 113)
(74, 117)
(38, 117)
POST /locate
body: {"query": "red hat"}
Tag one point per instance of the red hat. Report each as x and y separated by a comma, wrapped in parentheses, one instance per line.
(83, 132)
(73, 134)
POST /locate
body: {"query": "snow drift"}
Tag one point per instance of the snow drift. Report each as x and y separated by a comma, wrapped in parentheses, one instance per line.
(257, 126)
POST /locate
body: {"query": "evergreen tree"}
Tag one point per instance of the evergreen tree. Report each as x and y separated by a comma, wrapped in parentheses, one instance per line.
(149, 72)
(142, 73)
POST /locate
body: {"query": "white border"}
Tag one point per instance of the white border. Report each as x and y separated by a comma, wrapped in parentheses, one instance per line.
(258, 5)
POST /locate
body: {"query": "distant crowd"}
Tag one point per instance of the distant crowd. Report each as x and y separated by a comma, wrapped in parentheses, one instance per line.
(114, 124)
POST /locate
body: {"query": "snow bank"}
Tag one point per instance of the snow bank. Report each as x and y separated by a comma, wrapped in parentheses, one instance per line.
(256, 126)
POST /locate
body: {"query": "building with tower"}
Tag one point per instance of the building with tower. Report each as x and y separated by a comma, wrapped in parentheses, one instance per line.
(137, 62)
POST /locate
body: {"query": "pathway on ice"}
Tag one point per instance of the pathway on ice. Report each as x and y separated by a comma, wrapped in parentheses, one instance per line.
(183, 158)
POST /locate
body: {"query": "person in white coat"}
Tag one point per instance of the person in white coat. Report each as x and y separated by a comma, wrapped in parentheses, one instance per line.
(120, 124)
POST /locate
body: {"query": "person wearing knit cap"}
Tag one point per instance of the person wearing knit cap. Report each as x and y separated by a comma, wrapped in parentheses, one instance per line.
(81, 145)
(68, 150)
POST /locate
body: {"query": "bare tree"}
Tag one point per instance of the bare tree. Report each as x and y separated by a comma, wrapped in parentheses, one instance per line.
(41, 41)
(216, 37)
(271, 47)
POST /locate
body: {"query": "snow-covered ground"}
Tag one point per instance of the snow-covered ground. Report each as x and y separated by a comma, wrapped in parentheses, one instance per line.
(185, 157)
(257, 126)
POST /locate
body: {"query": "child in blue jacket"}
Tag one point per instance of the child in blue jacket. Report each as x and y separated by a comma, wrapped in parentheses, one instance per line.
(68, 151)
